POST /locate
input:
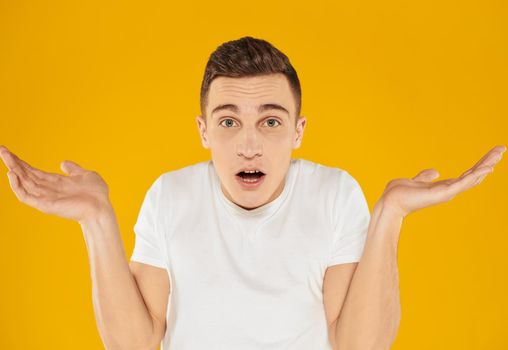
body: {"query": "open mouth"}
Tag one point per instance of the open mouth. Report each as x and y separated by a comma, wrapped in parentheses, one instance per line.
(251, 177)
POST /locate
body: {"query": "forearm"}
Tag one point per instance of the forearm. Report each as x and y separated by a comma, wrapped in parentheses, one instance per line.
(122, 317)
(370, 316)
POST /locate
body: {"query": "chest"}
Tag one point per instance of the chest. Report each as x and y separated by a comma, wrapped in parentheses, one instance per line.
(273, 255)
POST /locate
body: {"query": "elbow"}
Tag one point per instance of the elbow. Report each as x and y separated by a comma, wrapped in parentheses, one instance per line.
(381, 339)
(131, 345)
(394, 331)
(387, 338)
(127, 339)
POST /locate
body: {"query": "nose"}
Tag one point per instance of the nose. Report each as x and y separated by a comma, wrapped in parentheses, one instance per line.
(249, 144)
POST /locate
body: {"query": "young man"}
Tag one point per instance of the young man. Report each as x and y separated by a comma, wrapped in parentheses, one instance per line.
(252, 249)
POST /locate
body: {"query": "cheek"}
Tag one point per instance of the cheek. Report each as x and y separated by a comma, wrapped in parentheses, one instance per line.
(282, 140)
(220, 141)
(223, 149)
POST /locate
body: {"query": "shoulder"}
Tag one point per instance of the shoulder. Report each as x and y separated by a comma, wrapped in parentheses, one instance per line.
(184, 176)
(319, 174)
(186, 184)
(334, 184)
(178, 189)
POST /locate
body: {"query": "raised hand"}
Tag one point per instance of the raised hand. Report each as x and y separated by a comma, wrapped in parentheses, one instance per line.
(408, 195)
(78, 196)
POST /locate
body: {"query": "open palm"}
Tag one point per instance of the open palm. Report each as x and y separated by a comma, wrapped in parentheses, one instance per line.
(409, 195)
(77, 196)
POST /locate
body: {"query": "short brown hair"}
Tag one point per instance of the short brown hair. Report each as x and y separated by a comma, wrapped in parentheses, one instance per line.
(248, 56)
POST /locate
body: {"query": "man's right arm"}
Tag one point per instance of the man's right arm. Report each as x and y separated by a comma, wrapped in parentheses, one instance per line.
(129, 300)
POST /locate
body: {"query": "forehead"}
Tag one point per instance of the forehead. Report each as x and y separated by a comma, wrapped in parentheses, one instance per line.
(249, 92)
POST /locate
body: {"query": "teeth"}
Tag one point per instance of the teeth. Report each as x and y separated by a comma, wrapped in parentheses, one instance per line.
(251, 171)
(252, 180)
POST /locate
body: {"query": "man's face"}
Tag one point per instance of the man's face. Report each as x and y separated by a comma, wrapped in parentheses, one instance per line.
(250, 124)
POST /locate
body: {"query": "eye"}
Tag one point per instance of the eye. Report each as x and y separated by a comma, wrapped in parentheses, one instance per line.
(228, 124)
(271, 123)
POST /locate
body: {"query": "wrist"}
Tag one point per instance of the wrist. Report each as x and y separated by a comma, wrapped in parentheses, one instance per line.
(102, 214)
(389, 209)
(386, 221)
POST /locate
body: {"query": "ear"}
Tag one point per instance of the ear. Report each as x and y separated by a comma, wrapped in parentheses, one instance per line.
(300, 127)
(202, 131)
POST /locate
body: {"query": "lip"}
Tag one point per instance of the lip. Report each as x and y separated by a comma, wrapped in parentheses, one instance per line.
(252, 185)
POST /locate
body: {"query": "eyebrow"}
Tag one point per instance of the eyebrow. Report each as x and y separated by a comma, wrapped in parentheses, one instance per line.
(264, 107)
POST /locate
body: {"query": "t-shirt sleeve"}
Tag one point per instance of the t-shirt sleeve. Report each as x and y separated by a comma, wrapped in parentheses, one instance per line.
(148, 244)
(352, 214)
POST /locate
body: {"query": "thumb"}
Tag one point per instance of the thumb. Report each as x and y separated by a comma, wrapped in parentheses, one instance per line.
(71, 168)
(427, 175)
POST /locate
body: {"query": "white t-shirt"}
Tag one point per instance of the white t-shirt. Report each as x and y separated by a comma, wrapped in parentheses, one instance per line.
(250, 279)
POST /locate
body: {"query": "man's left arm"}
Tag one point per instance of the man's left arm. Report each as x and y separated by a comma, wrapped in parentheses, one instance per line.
(370, 315)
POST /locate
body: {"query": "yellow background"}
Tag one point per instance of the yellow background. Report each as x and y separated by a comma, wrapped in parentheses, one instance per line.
(389, 88)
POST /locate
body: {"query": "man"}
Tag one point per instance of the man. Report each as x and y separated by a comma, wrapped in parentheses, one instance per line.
(253, 249)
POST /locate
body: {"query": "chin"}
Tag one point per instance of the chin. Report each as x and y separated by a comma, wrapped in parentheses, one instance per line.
(249, 200)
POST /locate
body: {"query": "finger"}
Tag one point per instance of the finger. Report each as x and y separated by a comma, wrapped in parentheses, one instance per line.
(500, 149)
(41, 176)
(481, 177)
(469, 181)
(8, 158)
(34, 173)
(489, 159)
(37, 173)
(21, 193)
(479, 180)
(27, 169)
(71, 168)
(427, 175)
(12, 162)
(30, 183)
